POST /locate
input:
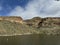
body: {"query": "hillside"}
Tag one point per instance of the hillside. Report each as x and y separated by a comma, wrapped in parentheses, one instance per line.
(43, 22)
(18, 26)
(7, 27)
(48, 25)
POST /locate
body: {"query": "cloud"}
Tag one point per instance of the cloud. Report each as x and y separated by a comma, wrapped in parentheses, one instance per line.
(42, 8)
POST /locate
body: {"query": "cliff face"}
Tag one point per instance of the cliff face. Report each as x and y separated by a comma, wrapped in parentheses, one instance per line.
(52, 21)
(43, 22)
(13, 26)
(12, 19)
(16, 25)
(33, 22)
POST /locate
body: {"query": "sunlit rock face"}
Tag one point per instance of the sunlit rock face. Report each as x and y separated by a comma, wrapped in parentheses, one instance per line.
(12, 19)
(8, 28)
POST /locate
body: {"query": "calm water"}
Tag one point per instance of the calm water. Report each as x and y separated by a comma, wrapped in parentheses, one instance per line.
(36, 39)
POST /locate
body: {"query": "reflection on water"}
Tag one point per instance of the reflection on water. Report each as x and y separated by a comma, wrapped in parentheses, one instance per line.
(35, 39)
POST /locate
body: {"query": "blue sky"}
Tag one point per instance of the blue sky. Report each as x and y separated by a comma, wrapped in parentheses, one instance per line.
(7, 5)
(30, 8)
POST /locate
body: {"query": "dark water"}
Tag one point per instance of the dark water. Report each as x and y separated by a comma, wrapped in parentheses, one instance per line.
(35, 39)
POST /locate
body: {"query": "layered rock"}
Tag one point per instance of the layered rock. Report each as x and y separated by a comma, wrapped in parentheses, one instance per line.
(33, 22)
(12, 19)
(51, 21)
(43, 22)
(13, 25)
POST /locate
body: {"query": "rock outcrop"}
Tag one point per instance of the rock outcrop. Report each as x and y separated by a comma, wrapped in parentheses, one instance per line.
(33, 22)
(43, 22)
(36, 22)
(51, 21)
(12, 19)
(13, 25)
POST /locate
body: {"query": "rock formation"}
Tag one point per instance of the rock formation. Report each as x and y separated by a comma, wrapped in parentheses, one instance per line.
(12, 19)
(43, 22)
(35, 21)
(12, 25)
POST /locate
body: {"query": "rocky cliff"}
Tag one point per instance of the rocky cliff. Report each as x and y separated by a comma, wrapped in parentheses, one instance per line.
(12, 19)
(17, 26)
(43, 22)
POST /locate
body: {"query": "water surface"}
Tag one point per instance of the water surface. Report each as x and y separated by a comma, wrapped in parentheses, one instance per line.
(33, 39)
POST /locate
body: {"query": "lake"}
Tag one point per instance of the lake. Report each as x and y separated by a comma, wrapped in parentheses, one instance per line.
(33, 39)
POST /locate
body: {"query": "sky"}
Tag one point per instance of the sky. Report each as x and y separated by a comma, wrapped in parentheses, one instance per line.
(30, 8)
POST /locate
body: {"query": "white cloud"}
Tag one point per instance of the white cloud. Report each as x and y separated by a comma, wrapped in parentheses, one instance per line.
(42, 8)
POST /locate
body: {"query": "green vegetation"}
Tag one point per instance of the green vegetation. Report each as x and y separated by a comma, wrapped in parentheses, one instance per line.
(11, 28)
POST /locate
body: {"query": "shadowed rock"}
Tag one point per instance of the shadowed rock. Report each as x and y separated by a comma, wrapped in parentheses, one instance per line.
(33, 22)
(43, 22)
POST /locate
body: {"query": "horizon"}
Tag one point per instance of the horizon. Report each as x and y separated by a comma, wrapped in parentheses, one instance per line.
(31, 17)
